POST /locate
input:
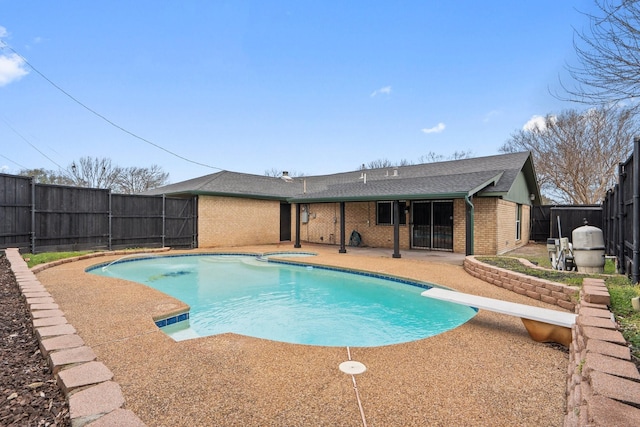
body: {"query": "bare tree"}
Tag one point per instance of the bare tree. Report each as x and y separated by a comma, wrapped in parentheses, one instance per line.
(608, 55)
(134, 180)
(45, 176)
(432, 157)
(377, 164)
(94, 172)
(576, 154)
(276, 173)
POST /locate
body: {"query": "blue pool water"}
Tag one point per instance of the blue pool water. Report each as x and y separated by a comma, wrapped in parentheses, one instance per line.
(290, 303)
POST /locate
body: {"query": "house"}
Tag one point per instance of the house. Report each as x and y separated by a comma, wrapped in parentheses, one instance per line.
(474, 206)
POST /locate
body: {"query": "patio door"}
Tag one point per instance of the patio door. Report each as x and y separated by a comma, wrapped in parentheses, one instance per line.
(432, 224)
(285, 222)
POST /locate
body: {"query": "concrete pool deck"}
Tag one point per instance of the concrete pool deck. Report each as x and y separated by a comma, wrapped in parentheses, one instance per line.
(485, 372)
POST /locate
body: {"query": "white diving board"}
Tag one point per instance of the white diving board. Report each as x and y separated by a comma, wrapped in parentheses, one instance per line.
(543, 324)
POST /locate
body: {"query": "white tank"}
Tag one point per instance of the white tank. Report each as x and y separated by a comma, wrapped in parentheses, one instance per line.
(588, 249)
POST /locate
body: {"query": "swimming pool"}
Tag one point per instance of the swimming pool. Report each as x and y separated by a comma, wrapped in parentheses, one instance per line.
(291, 303)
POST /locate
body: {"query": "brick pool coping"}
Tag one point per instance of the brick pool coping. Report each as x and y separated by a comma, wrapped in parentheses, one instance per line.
(603, 384)
(93, 397)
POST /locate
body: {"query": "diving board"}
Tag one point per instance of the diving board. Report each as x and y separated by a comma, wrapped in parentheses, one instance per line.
(543, 324)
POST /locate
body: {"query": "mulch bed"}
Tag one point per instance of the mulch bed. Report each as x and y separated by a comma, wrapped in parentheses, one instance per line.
(29, 393)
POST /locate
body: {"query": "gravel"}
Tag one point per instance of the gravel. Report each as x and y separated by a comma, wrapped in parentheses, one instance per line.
(30, 395)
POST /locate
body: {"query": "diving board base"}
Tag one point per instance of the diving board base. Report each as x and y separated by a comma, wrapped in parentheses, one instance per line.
(545, 332)
(543, 324)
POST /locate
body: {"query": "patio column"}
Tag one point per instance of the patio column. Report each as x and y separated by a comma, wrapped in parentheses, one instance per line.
(297, 243)
(342, 250)
(469, 215)
(396, 229)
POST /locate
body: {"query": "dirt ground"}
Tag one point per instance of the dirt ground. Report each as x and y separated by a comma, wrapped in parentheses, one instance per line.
(30, 396)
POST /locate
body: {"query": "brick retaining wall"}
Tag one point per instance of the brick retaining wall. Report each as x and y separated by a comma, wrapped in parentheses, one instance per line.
(543, 290)
(603, 385)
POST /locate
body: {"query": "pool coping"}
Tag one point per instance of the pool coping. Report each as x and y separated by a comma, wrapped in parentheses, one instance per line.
(174, 317)
(84, 257)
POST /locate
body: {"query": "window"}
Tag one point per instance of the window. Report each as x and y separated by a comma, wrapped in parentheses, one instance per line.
(384, 213)
(518, 222)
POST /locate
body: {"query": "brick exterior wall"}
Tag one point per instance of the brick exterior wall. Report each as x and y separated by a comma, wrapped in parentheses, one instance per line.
(486, 226)
(506, 238)
(459, 226)
(233, 221)
(495, 226)
(324, 225)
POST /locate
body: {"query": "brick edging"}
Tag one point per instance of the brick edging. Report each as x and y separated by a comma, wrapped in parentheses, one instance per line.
(87, 383)
(540, 289)
(603, 385)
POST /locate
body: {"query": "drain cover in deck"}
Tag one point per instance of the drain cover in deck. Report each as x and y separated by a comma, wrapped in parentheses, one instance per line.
(352, 367)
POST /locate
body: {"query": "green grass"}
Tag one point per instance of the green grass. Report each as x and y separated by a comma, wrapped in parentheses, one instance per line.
(508, 263)
(621, 292)
(42, 258)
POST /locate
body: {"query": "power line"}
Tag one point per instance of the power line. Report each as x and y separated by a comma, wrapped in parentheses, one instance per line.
(91, 110)
(12, 161)
(29, 142)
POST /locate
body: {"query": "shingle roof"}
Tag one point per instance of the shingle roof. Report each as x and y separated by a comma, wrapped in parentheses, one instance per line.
(494, 175)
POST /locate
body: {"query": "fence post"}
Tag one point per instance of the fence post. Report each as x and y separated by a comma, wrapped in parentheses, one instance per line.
(620, 250)
(635, 273)
(194, 235)
(164, 219)
(109, 244)
(32, 183)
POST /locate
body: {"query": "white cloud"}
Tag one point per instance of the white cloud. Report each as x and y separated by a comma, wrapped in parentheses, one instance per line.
(537, 122)
(12, 68)
(436, 129)
(382, 91)
(491, 115)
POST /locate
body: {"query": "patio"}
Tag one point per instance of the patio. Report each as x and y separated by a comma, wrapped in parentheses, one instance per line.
(486, 372)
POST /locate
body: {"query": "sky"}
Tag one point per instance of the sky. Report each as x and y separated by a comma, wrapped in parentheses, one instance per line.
(310, 87)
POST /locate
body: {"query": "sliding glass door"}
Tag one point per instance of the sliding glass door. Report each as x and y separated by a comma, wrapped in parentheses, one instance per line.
(432, 224)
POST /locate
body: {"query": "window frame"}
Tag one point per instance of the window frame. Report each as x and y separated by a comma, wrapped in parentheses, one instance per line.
(401, 209)
(518, 222)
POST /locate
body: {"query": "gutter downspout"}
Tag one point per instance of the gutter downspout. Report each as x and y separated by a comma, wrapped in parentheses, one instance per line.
(469, 211)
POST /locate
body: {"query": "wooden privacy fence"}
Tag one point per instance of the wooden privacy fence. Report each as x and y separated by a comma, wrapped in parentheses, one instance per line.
(544, 220)
(40, 218)
(621, 216)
